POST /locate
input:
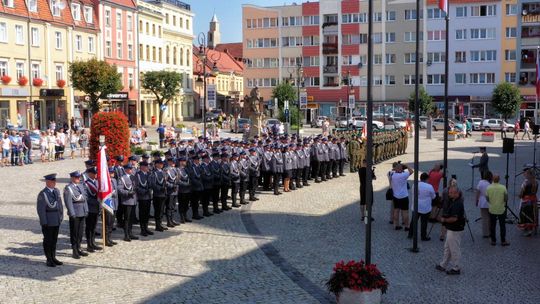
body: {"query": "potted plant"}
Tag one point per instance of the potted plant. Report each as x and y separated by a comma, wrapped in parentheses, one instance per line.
(37, 82)
(488, 136)
(452, 135)
(357, 283)
(6, 79)
(22, 81)
(61, 83)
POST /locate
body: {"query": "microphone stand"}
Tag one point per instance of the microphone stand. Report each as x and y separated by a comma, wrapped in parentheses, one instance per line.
(472, 168)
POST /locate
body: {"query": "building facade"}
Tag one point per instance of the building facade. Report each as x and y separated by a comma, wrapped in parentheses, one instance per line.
(165, 41)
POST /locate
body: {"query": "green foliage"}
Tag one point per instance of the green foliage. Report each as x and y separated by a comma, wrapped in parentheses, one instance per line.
(506, 99)
(284, 91)
(426, 101)
(137, 150)
(293, 114)
(165, 85)
(95, 78)
(180, 126)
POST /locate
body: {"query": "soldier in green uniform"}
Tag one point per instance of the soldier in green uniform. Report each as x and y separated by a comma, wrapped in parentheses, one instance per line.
(353, 149)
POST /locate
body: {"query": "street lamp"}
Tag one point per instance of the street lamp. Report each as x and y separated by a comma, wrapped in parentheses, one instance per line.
(350, 90)
(202, 54)
(299, 80)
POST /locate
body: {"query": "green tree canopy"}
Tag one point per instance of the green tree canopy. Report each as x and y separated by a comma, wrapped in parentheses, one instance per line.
(506, 99)
(165, 85)
(95, 78)
(284, 91)
(426, 101)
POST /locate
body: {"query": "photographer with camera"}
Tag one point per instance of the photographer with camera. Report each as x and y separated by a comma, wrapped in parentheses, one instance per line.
(426, 194)
(362, 174)
(400, 189)
(453, 219)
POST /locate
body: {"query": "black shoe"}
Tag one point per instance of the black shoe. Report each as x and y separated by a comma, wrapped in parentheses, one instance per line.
(114, 243)
(342, 174)
(175, 223)
(108, 244)
(217, 211)
(164, 228)
(398, 228)
(82, 253)
(188, 220)
(170, 225)
(426, 239)
(148, 232)
(160, 229)
(440, 268)
(90, 249)
(50, 263)
(406, 229)
(256, 198)
(143, 233)
(208, 214)
(96, 247)
(133, 237)
(306, 185)
(127, 239)
(317, 181)
(75, 254)
(198, 217)
(97, 234)
(453, 272)
(236, 206)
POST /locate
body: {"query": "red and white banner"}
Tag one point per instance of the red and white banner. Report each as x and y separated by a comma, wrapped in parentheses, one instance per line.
(443, 5)
(104, 182)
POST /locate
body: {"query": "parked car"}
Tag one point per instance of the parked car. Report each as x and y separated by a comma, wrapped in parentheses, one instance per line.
(398, 122)
(476, 123)
(495, 124)
(242, 124)
(360, 122)
(341, 122)
(438, 123)
(271, 122)
(317, 122)
(423, 121)
(213, 115)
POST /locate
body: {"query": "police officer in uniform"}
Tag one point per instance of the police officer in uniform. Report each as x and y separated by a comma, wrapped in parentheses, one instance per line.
(307, 164)
(266, 159)
(172, 192)
(128, 199)
(254, 172)
(208, 184)
(91, 189)
(235, 179)
(119, 172)
(215, 168)
(77, 210)
(276, 166)
(244, 176)
(157, 183)
(194, 172)
(184, 190)
(109, 218)
(144, 196)
(225, 180)
(51, 214)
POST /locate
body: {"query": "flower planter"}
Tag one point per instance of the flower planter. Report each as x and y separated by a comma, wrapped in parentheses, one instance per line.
(488, 138)
(452, 137)
(349, 296)
(152, 147)
(61, 83)
(37, 82)
(22, 81)
(6, 79)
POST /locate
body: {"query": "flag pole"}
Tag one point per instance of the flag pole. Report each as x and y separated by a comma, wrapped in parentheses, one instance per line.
(103, 231)
(536, 84)
(446, 129)
(103, 227)
(369, 134)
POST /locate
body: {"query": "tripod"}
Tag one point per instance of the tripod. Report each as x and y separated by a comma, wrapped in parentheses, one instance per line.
(472, 169)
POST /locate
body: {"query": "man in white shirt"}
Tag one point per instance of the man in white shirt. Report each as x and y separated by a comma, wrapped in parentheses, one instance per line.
(400, 191)
(426, 194)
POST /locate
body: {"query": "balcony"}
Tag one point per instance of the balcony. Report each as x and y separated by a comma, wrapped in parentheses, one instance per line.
(528, 59)
(530, 13)
(330, 48)
(330, 69)
(530, 32)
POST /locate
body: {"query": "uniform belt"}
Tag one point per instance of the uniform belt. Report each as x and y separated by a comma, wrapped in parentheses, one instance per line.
(51, 211)
(78, 202)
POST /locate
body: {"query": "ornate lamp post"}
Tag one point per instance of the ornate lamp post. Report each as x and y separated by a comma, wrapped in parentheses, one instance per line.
(202, 54)
(299, 80)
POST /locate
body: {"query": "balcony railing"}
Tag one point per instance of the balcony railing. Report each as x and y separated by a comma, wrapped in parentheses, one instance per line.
(330, 48)
(330, 69)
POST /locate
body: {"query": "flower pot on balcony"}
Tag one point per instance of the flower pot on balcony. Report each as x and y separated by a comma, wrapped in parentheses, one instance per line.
(22, 81)
(350, 296)
(61, 83)
(6, 79)
(37, 82)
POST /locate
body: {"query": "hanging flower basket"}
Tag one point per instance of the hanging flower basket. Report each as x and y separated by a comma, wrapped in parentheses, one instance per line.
(37, 82)
(357, 282)
(61, 83)
(6, 79)
(22, 81)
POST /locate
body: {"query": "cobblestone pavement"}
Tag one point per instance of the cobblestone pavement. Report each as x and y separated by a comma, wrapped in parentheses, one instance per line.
(277, 250)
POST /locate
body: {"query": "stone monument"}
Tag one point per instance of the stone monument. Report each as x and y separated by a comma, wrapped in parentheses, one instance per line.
(252, 109)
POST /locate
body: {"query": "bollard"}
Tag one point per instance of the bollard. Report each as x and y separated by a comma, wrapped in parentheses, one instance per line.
(429, 128)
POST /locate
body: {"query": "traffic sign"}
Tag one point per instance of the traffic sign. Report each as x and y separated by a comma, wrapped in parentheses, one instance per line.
(351, 101)
(211, 95)
(303, 100)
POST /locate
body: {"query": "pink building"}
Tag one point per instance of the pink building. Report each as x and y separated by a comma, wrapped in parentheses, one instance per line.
(118, 24)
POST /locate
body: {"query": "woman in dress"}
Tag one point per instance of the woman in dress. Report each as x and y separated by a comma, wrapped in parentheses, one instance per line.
(527, 214)
(83, 140)
(6, 147)
(73, 140)
(43, 146)
(482, 203)
(51, 143)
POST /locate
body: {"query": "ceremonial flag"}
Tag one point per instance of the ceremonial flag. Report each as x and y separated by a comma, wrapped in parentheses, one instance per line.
(104, 182)
(443, 5)
(364, 131)
(537, 73)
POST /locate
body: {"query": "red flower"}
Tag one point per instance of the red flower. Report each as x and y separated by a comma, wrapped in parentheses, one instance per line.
(60, 83)
(37, 82)
(22, 80)
(6, 79)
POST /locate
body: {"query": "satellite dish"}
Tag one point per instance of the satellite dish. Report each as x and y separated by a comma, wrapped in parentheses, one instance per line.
(61, 5)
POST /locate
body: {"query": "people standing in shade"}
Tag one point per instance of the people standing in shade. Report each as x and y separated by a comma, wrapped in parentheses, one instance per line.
(144, 196)
(484, 160)
(243, 165)
(51, 214)
(184, 190)
(482, 203)
(401, 195)
(77, 210)
(434, 179)
(215, 168)
(453, 218)
(362, 174)
(497, 197)
(426, 194)
(109, 217)
(225, 183)
(128, 199)
(194, 172)
(91, 189)
(157, 183)
(208, 184)
(254, 162)
(276, 167)
(528, 214)
(172, 192)
(235, 179)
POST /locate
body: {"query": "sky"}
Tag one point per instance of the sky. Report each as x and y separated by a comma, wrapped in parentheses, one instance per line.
(229, 13)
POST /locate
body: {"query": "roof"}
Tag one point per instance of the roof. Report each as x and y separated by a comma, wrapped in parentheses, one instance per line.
(224, 62)
(235, 49)
(125, 3)
(214, 18)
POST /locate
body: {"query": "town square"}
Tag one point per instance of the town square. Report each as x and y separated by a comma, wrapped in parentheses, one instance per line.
(331, 151)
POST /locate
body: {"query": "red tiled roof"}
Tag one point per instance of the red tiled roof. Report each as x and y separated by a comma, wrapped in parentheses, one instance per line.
(235, 49)
(18, 9)
(126, 3)
(82, 23)
(225, 62)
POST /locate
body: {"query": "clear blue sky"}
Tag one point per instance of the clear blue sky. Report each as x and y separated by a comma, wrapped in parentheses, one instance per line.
(229, 13)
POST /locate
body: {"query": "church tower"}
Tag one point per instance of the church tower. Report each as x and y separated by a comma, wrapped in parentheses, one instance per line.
(214, 35)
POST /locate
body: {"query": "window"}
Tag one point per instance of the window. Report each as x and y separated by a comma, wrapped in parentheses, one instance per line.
(349, 18)
(411, 15)
(377, 17)
(32, 5)
(436, 57)
(437, 35)
(435, 13)
(181, 22)
(511, 10)
(461, 34)
(130, 80)
(19, 34)
(389, 79)
(108, 18)
(390, 16)
(78, 43)
(3, 68)
(483, 56)
(130, 52)
(390, 37)
(129, 23)
(35, 70)
(19, 68)
(362, 18)
(377, 59)
(76, 11)
(153, 30)
(91, 45)
(483, 33)
(8, 3)
(119, 50)
(187, 24)
(312, 20)
(377, 80)
(58, 40)
(313, 81)
(377, 38)
(461, 11)
(59, 72)
(167, 18)
(411, 58)
(435, 79)
(55, 7)
(411, 36)
(351, 39)
(3, 32)
(511, 32)
(88, 14)
(390, 58)
(510, 77)
(35, 36)
(118, 20)
(347, 60)
(510, 55)
(461, 78)
(461, 56)
(411, 79)
(483, 10)
(482, 78)
(108, 49)
(154, 54)
(311, 40)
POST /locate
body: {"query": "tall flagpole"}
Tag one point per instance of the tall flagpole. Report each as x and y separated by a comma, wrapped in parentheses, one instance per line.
(536, 85)
(369, 133)
(446, 80)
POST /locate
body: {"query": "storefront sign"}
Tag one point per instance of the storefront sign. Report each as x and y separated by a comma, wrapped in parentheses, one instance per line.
(51, 93)
(529, 97)
(211, 95)
(14, 92)
(303, 100)
(118, 95)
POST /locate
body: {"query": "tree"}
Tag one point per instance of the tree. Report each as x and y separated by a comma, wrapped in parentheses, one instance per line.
(96, 78)
(426, 101)
(285, 91)
(165, 85)
(506, 99)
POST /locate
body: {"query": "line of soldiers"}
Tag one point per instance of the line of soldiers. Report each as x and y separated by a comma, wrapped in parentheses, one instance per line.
(191, 175)
(386, 144)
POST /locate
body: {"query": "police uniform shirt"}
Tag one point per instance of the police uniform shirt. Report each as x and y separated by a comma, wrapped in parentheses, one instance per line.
(49, 207)
(91, 189)
(126, 190)
(142, 186)
(75, 200)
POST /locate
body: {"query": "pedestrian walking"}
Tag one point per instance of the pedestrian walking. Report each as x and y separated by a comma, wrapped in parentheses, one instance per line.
(497, 197)
(516, 129)
(51, 214)
(6, 149)
(503, 129)
(453, 218)
(526, 129)
(482, 202)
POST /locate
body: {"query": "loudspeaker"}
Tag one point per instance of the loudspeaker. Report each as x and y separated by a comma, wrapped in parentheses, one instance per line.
(508, 145)
(536, 129)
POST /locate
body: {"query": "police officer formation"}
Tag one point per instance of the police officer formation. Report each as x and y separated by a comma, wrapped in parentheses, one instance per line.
(190, 175)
